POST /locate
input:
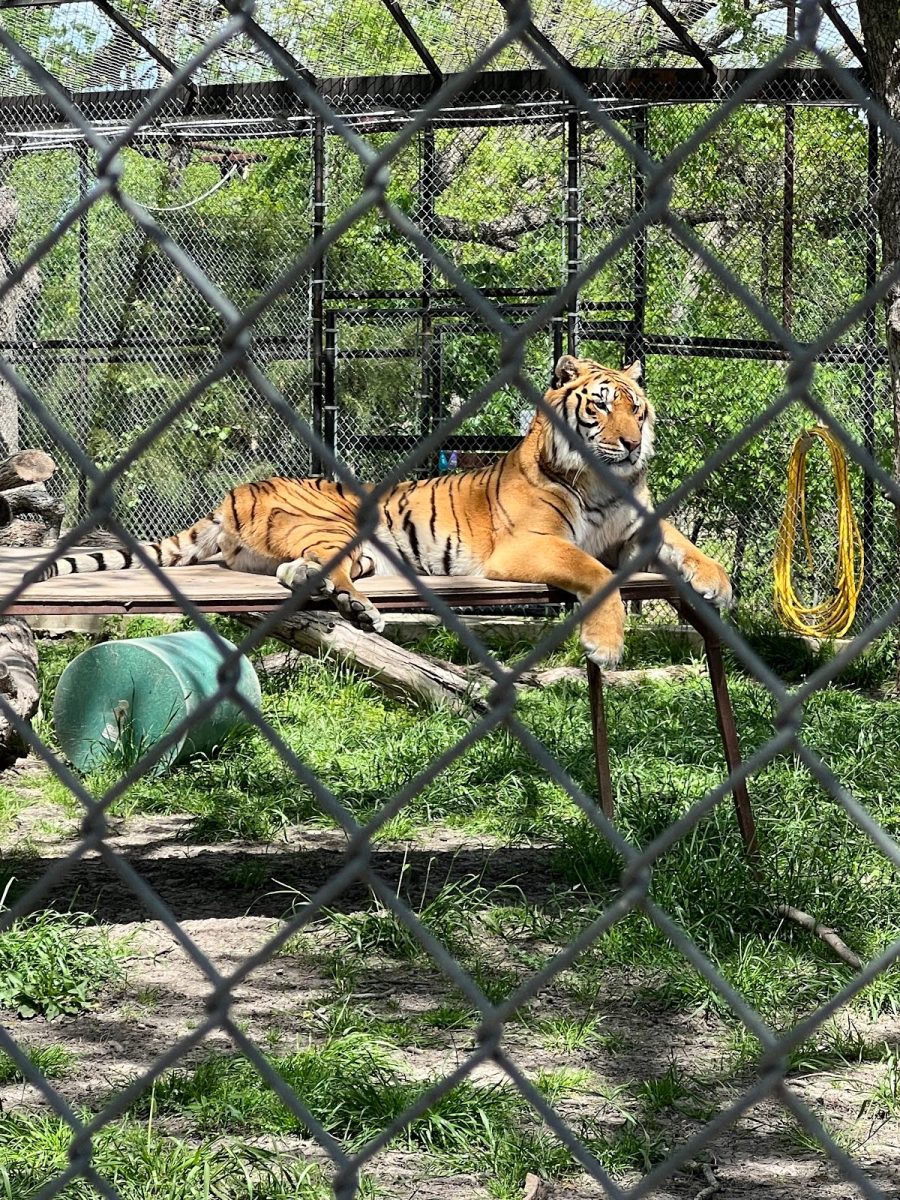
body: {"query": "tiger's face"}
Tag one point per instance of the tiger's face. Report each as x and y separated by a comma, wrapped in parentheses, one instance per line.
(606, 409)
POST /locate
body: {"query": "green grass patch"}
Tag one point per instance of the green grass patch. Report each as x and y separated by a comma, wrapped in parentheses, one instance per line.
(665, 754)
(53, 1062)
(142, 1165)
(55, 963)
(353, 1087)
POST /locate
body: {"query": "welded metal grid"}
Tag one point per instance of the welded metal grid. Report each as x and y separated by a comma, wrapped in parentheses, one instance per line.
(238, 357)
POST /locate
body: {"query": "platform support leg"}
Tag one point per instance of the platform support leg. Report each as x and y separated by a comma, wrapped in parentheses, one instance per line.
(727, 727)
(601, 741)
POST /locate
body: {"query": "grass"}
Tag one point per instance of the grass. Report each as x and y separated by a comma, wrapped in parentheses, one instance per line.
(352, 1086)
(665, 755)
(53, 964)
(143, 1165)
(884, 1101)
(450, 915)
(53, 1062)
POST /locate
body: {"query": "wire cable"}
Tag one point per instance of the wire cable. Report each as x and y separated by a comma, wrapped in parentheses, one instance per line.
(834, 616)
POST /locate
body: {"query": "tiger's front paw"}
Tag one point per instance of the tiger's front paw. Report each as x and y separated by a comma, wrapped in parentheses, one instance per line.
(708, 578)
(603, 634)
(299, 571)
(359, 611)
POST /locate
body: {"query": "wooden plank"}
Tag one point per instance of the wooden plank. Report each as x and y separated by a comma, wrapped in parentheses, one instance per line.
(213, 588)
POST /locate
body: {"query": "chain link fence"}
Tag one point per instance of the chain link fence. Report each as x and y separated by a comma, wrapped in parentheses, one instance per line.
(463, 249)
(518, 190)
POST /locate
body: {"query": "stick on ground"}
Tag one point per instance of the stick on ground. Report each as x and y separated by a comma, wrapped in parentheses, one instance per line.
(828, 935)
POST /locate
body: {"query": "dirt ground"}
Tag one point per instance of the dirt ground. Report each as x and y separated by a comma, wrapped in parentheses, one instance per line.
(163, 996)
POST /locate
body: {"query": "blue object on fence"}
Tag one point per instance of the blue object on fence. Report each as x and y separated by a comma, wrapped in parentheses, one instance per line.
(443, 462)
(118, 699)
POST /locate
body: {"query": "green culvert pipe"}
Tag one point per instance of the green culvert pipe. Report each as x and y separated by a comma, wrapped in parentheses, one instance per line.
(118, 699)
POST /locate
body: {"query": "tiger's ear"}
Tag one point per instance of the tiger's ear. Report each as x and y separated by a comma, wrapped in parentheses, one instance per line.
(635, 371)
(565, 370)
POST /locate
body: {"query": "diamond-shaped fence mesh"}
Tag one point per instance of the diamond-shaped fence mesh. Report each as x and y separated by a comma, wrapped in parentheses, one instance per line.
(233, 245)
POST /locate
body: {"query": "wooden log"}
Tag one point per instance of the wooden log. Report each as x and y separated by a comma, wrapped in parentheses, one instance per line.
(18, 684)
(402, 673)
(407, 675)
(34, 500)
(20, 532)
(26, 466)
(548, 676)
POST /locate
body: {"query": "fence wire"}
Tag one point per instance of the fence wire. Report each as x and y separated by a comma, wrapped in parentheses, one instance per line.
(267, 395)
(517, 190)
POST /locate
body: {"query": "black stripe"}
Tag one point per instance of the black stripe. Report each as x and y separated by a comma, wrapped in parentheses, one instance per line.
(500, 505)
(448, 562)
(409, 528)
(559, 511)
(433, 521)
(453, 511)
(73, 563)
(100, 560)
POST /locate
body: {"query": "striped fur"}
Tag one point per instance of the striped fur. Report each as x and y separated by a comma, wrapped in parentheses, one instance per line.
(538, 514)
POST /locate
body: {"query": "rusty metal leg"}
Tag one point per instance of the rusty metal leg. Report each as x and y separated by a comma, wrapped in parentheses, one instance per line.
(727, 727)
(601, 742)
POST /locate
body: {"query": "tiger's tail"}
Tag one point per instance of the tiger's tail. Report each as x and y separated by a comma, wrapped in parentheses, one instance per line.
(194, 545)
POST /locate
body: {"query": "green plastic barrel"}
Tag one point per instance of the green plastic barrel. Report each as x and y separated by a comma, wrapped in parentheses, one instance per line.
(116, 700)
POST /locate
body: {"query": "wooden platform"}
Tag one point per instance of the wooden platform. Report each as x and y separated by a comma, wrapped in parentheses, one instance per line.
(215, 589)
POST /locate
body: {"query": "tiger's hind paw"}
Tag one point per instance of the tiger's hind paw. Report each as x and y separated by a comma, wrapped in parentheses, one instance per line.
(360, 612)
(299, 571)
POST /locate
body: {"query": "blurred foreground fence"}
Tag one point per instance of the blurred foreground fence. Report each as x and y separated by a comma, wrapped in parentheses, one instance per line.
(207, 278)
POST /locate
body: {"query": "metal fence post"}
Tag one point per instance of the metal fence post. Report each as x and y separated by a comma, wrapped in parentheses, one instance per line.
(317, 288)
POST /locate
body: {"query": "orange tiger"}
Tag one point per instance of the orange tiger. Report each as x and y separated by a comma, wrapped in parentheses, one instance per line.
(536, 515)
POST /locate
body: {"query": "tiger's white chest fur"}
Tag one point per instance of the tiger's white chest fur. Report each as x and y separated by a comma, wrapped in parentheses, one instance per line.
(607, 521)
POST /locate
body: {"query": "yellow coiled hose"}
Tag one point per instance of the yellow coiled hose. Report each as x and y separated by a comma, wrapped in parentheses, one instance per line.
(833, 617)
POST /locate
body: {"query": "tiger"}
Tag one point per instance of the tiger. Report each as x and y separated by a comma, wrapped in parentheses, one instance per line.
(538, 514)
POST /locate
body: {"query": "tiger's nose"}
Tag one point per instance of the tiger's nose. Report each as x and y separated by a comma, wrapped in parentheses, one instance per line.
(630, 443)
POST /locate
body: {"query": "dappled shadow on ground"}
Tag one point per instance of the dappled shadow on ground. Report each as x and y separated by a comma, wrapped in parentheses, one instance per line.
(198, 882)
(229, 899)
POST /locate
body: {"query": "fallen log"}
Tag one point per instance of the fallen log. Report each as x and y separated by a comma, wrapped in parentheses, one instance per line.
(18, 684)
(25, 466)
(30, 501)
(408, 675)
(402, 673)
(547, 676)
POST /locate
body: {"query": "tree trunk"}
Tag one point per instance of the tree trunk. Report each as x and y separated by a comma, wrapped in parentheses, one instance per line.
(29, 515)
(18, 684)
(880, 22)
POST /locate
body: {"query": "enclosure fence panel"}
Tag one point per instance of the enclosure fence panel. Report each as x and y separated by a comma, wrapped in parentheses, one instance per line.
(509, 180)
(432, 240)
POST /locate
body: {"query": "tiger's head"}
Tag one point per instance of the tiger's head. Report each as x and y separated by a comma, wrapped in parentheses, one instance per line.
(604, 408)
